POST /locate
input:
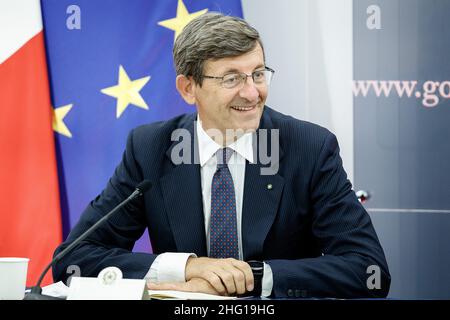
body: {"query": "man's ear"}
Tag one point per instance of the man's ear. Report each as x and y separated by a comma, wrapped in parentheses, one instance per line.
(186, 87)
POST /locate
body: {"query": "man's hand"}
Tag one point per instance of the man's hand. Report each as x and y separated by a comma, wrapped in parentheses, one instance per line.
(226, 276)
(193, 285)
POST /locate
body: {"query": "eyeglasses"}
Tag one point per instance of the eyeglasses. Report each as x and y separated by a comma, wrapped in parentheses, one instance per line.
(237, 79)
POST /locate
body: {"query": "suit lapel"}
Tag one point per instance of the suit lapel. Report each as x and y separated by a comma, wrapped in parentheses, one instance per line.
(181, 189)
(262, 194)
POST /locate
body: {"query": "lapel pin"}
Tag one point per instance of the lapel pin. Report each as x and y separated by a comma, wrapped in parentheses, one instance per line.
(269, 186)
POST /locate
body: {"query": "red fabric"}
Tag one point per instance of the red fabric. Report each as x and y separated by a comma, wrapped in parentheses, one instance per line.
(30, 217)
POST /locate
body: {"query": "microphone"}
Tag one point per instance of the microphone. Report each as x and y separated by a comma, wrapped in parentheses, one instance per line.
(36, 291)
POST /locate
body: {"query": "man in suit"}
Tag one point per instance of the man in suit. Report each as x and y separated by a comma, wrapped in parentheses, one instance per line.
(218, 222)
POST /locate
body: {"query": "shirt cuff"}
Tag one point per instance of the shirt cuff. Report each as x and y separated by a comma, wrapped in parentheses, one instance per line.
(168, 267)
(267, 281)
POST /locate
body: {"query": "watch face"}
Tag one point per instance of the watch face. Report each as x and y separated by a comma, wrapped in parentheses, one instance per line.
(258, 273)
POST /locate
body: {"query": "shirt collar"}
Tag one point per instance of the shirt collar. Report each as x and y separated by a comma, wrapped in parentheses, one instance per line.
(208, 147)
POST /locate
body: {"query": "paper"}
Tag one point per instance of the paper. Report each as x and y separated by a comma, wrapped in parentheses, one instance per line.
(57, 290)
(108, 285)
(181, 295)
(60, 290)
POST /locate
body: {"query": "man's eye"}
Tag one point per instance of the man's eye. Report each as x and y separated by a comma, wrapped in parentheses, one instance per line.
(231, 79)
(258, 75)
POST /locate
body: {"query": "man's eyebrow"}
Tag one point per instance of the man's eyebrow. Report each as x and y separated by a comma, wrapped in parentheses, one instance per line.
(231, 70)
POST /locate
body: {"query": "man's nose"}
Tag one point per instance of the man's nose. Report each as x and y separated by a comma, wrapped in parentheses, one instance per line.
(249, 90)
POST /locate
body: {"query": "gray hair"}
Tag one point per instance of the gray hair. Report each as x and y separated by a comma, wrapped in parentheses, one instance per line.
(212, 36)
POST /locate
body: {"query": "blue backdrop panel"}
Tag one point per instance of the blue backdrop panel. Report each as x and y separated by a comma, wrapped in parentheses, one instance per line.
(402, 146)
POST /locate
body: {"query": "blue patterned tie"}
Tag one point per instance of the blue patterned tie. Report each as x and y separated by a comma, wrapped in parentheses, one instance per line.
(223, 230)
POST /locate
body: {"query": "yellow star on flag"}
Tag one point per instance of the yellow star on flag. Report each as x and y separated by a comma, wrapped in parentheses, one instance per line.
(127, 92)
(58, 120)
(182, 19)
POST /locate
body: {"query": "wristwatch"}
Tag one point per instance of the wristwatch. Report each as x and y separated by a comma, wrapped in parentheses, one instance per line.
(258, 273)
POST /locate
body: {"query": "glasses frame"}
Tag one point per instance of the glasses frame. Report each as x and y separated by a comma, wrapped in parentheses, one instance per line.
(242, 74)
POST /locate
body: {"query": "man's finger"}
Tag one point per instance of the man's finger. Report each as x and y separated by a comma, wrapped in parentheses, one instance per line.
(238, 277)
(245, 268)
(227, 278)
(216, 282)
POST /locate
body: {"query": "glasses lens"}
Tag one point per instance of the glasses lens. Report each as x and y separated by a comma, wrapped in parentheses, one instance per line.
(231, 80)
(268, 76)
(260, 77)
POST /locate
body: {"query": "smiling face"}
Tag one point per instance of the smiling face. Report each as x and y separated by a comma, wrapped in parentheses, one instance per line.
(221, 108)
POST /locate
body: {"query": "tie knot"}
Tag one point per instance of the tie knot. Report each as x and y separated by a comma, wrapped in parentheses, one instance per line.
(223, 156)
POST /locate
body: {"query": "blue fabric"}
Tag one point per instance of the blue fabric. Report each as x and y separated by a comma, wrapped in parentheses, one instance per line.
(223, 227)
(84, 61)
(309, 226)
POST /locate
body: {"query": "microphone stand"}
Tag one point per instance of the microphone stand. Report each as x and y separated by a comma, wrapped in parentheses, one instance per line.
(36, 291)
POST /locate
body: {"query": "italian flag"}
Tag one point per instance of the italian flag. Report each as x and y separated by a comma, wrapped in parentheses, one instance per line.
(30, 217)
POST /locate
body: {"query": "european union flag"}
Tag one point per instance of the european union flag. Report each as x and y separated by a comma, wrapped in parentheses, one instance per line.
(110, 67)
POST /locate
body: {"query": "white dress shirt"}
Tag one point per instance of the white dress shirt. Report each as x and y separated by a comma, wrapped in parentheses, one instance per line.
(170, 266)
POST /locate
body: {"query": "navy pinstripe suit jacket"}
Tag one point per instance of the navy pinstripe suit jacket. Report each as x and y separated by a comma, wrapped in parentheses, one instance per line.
(310, 227)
